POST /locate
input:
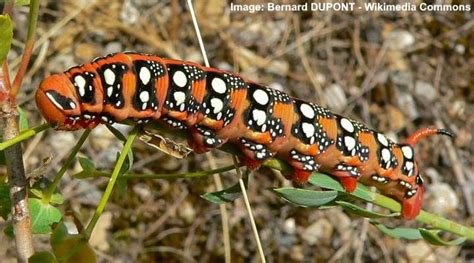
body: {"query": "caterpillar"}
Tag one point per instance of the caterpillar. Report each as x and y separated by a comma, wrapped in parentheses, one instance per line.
(219, 107)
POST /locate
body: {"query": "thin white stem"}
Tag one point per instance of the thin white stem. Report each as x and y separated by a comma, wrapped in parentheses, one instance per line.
(223, 210)
(249, 211)
(241, 182)
(198, 33)
(252, 221)
(217, 179)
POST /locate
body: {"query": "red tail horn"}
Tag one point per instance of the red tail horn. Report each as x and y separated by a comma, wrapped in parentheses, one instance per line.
(415, 137)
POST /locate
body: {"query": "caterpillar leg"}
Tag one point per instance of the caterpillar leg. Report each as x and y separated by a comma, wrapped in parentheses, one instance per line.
(347, 175)
(411, 205)
(204, 139)
(303, 166)
(254, 153)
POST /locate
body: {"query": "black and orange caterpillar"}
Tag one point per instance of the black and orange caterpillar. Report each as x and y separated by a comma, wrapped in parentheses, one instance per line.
(219, 107)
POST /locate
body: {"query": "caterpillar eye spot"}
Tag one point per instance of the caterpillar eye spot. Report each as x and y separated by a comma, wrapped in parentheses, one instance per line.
(60, 101)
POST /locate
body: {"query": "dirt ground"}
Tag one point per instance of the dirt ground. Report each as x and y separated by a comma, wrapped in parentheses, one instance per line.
(395, 71)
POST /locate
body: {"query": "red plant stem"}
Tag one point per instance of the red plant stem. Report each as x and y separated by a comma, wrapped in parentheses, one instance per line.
(6, 75)
(8, 7)
(22, 69)
(5, 85)
(30, 43)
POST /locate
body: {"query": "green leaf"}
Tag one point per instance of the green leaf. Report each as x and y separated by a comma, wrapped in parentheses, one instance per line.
(40, 187)
(88, 168)
(227, 195)
(116, 133)
(22, 2)
(70, 247)
(56, 198)
(42, 257)
(400, 232)
(432, 237)
(122, 187)
(43, 216)
(86, 164)
(3, 161)
(23, 119)
(129, 161)
(224, 196)
(127, 164)
(306, 198)
(355, 209)
(5, 202)
(326, 181)
(9, 231)
(6, 36)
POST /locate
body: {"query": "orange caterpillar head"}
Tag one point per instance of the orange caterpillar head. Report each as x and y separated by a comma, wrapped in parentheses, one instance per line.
(414, 189)
(57, 102)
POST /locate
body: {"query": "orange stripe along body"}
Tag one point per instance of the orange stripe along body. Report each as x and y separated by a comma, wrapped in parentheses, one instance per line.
(218, 107)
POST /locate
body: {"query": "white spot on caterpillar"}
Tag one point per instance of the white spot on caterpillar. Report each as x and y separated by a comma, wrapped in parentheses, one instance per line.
(259, 116)
(144, 96)
(217, 105)
(81, 84)
(179, 96)
(218, 85)
(385, 154)
(261, 97)
(382, 139)
(109, 76)
(409, 165)
(407, 152)
(308, 129)
(180, 79)
(53, 100)
(347, 125)
(349, 142)
(144, 75)
(110, 90)
(307, 111)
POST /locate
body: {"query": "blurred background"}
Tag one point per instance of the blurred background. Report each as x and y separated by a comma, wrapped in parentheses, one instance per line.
(395, 71)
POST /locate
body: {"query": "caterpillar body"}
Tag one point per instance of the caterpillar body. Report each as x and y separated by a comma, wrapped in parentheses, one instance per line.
(219, 107)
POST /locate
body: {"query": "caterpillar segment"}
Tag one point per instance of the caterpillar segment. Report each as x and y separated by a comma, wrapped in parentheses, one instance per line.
(219, 107)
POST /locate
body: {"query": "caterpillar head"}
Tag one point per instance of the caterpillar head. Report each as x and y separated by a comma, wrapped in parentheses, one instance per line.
(414, 189)
(57, 102)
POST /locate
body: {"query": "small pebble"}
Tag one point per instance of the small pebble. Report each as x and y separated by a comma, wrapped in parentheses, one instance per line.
(321, 230)
(402, 79)
(425, 90)
(400, 40)
(420, 251)
(441, 199)
(290, 226)
(407, 104)
(335, 97)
